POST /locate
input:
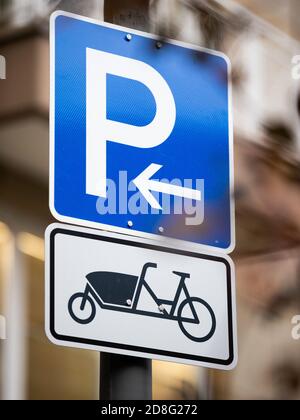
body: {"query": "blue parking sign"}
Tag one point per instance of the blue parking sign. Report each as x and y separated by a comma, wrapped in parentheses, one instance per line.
(141, 134)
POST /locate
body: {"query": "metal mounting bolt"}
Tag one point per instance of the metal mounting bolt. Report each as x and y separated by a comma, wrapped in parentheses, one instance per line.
(129, 302)
(159, 45)
(161, 229)
(161, 308)
(128, 37)
(130, 224)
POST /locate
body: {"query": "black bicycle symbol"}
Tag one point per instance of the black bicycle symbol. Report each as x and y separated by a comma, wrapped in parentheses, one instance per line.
(121, 292)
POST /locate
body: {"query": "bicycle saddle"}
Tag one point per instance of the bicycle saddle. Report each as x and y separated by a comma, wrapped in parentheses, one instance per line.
(182, 275)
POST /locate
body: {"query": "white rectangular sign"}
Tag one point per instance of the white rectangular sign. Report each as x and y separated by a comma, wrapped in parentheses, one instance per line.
(118, 294)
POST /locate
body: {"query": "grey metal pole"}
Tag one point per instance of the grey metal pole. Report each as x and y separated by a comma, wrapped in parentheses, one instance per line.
(129, 13)
(124, 377)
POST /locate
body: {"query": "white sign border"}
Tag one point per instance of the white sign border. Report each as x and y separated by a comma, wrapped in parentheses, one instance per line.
(79, 343)
(81, 222)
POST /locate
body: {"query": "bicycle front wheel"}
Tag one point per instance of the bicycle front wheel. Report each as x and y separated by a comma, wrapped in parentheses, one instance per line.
(81, 315)
(203, 327)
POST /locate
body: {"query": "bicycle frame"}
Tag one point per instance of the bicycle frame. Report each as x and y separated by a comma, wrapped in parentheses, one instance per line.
(143, 283)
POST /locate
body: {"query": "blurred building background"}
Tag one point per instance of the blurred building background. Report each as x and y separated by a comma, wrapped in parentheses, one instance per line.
(261, 41)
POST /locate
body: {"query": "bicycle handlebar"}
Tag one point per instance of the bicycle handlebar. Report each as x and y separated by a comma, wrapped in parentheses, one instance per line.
(145, 268)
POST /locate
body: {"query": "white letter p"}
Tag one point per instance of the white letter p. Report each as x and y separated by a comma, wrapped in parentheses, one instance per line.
(100, 130)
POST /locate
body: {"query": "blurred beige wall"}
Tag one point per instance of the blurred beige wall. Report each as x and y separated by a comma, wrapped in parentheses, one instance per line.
(284, 14)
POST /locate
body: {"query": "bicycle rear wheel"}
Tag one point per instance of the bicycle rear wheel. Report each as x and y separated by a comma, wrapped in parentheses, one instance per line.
(200, 331)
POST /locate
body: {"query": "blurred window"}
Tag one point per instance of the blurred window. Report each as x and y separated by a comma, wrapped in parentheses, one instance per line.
(19, 13)
(53, 372)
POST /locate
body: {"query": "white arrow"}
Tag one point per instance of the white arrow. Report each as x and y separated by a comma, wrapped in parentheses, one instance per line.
(145, 185)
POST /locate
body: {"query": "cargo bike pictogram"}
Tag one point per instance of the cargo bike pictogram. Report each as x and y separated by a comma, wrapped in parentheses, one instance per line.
(121, 292)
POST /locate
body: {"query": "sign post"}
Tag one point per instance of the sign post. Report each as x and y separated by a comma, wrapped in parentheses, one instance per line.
(117, 371)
